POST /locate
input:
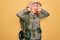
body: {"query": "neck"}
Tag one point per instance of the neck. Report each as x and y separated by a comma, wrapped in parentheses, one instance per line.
(37, 13)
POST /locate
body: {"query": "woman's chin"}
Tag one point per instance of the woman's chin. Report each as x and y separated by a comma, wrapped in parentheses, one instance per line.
(35, 12)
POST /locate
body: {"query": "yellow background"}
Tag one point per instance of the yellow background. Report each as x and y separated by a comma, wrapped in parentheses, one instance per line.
(9, 22)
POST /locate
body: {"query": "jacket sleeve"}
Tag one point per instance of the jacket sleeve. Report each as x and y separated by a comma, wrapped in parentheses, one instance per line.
(43, 14)
(21, 14)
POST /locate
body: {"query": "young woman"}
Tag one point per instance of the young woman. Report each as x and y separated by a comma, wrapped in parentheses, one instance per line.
(30, 21)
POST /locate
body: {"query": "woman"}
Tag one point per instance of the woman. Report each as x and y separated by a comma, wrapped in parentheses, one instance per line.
(30, 20)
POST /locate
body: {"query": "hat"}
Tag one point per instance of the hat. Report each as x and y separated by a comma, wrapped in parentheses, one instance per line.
(34, 1)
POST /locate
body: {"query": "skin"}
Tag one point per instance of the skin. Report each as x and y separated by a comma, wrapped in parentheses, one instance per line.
(34, 8)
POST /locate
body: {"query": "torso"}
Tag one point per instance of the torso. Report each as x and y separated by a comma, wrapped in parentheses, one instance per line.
(34, 25)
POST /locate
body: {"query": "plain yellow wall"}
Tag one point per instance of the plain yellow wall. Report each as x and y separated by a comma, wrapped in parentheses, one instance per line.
(9, 22)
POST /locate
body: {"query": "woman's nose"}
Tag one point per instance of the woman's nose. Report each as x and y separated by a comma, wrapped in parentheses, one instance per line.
(36, 8)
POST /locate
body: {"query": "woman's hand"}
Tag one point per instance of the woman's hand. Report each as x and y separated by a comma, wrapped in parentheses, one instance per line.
(29, 8)
(39, 8)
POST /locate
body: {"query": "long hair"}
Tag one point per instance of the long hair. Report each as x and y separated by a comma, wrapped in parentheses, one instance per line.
(37, 13)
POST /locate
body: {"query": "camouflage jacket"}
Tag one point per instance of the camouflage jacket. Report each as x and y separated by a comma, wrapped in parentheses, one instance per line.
(31, 22)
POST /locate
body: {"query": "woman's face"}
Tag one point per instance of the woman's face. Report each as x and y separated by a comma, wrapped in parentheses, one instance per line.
(35, 7)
